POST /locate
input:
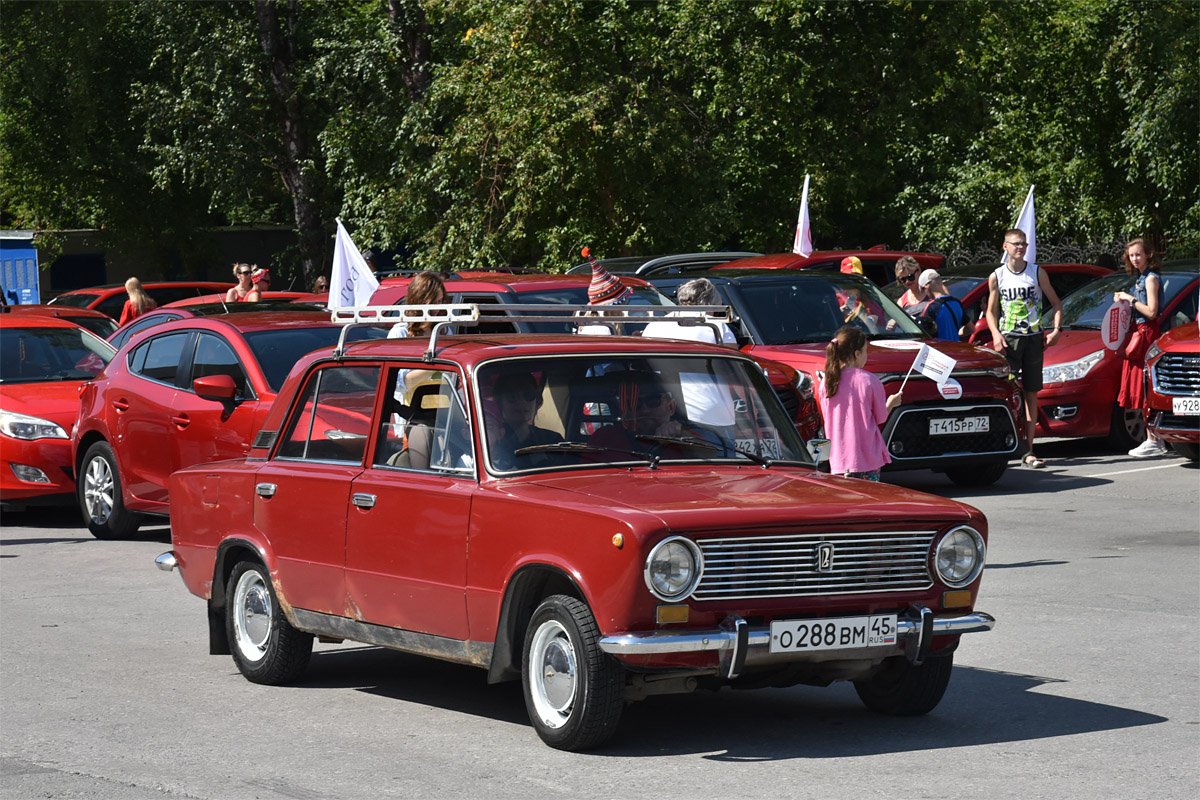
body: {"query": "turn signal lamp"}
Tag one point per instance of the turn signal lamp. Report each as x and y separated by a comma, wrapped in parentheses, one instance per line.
(958, 599)
(672, 614)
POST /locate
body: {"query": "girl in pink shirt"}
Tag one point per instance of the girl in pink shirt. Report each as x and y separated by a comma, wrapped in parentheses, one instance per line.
(853, 405)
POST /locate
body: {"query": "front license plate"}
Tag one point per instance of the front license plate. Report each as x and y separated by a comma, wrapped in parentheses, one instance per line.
(1185, 406)
(947, 425)
(810, 635)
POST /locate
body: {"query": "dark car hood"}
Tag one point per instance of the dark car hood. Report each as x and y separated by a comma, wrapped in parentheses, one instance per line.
(725, 497)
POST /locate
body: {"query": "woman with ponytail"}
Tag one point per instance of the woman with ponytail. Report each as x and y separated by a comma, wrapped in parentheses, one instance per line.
(853, 406)
(138, 303)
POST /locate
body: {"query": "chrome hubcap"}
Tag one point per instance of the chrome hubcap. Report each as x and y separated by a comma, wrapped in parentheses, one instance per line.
(1135, 424)
(252, 616)
(98, 490)
(553, 674)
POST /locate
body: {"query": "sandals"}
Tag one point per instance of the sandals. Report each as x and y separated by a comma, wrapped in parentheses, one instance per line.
(1032, 461)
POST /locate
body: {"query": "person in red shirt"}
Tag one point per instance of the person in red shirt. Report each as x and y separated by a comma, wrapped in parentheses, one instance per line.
(138, 303)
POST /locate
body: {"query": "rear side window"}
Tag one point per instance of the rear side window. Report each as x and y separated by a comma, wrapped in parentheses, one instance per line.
(158, 358)
(140, 325)
(278, 350)
(333, 420)
(112, 305)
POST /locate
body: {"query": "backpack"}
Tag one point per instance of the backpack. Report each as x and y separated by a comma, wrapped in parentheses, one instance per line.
(929, 309)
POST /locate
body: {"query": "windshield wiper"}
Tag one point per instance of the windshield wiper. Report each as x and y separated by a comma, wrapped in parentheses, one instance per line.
(577, 447)
(702, 444)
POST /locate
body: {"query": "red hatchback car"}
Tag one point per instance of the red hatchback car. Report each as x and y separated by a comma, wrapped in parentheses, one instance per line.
(528, 515)
(1081, 376)
(110, 299)
(43, 363)
(1173, 364)
(185, 392)
(97, 322)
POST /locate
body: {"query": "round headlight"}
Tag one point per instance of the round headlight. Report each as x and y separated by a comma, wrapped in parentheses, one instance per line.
(673, 568)
(959, 556)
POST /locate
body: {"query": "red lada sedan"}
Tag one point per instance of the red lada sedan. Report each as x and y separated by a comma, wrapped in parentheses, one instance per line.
(969, 431)
(43, 363)
(1081, 377)
(185, 392)
(1173, 365)
(556, 510)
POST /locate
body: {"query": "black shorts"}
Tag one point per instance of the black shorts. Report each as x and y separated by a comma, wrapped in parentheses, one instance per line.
(1025, 356)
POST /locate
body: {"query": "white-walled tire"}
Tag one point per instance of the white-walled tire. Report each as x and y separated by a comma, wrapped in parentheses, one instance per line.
(265, 647)
(574, 691)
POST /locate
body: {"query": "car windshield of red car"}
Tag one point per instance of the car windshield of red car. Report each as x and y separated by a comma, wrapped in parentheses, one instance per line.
(1084, 308)
(277, 350)
(41, 355)
(810, 309)
(580, 412)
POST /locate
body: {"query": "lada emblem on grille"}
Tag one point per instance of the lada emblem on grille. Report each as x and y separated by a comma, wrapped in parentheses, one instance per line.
(825, 557)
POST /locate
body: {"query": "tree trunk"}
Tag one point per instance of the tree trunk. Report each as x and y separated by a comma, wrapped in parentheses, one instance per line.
(408, 20)
(279, 46)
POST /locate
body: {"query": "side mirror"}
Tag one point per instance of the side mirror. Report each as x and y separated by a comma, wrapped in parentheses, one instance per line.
(215, 387)
(818, 449)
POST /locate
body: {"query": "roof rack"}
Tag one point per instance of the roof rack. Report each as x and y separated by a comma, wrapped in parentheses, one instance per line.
(468, 314)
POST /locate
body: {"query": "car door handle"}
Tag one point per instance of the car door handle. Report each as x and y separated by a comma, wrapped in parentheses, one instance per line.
(363, 500)
(182, 421)
(265, 489)
(120, 405)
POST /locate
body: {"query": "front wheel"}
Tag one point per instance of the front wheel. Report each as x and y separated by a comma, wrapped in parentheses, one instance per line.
(265, 647)
(1187, 450)
(99, 493)
(574, 691)
(902, 689)
(977, 474)
(1128, 428)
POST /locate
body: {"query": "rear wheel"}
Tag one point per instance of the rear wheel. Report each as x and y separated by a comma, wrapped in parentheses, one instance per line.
(1128, 428)
(265, 647)
(574, 691)
(977, 474)
(1187, 450)
(906, 690)
(99, 493)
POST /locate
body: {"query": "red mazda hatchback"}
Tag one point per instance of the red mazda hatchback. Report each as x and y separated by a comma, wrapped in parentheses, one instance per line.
(1081, 376)
(185, 392)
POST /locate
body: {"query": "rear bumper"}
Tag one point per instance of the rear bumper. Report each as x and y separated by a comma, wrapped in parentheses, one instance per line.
(741, 646)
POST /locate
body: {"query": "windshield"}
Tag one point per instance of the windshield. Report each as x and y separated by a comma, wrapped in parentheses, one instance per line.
(41, 355)
(1084, 308)
(278, 350)
(579, 412)
(812, 308)
(577, 296)
(80, 300)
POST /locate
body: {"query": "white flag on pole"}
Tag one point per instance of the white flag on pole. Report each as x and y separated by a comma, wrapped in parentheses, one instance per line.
(803, 244)
(351, 282)
(934, 364)
(1026, 224)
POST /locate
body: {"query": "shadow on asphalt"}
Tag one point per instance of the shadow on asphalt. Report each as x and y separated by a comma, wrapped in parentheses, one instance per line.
(154, 529)
(981, 707)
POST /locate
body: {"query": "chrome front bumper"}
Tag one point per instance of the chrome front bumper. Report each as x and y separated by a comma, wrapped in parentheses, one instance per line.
(739, 644)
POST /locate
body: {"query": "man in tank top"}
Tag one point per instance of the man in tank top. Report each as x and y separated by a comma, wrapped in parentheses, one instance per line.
(1015, 292)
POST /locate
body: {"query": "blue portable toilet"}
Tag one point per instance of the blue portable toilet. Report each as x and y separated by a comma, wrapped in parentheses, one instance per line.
(19, 269)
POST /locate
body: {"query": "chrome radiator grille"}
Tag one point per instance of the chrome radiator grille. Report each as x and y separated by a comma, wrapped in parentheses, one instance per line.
(760, 567)
(1178, 374)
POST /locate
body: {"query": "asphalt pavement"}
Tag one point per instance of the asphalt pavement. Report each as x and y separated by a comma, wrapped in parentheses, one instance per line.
(1089, 687)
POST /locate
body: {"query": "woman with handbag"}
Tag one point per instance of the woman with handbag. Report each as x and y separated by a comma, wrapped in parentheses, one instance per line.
(1146, 298)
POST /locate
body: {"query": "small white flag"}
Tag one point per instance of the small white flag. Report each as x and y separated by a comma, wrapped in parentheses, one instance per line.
(803, 244)
(934, 364)
(1026, 224)
(351, 282)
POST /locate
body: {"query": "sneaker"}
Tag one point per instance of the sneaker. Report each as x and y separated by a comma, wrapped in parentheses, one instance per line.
(1149, 449)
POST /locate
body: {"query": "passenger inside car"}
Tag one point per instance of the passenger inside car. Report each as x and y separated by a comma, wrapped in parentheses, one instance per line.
(648, 411)
(511, 427)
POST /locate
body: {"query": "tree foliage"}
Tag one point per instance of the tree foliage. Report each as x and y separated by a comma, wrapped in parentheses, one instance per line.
(468, 133)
